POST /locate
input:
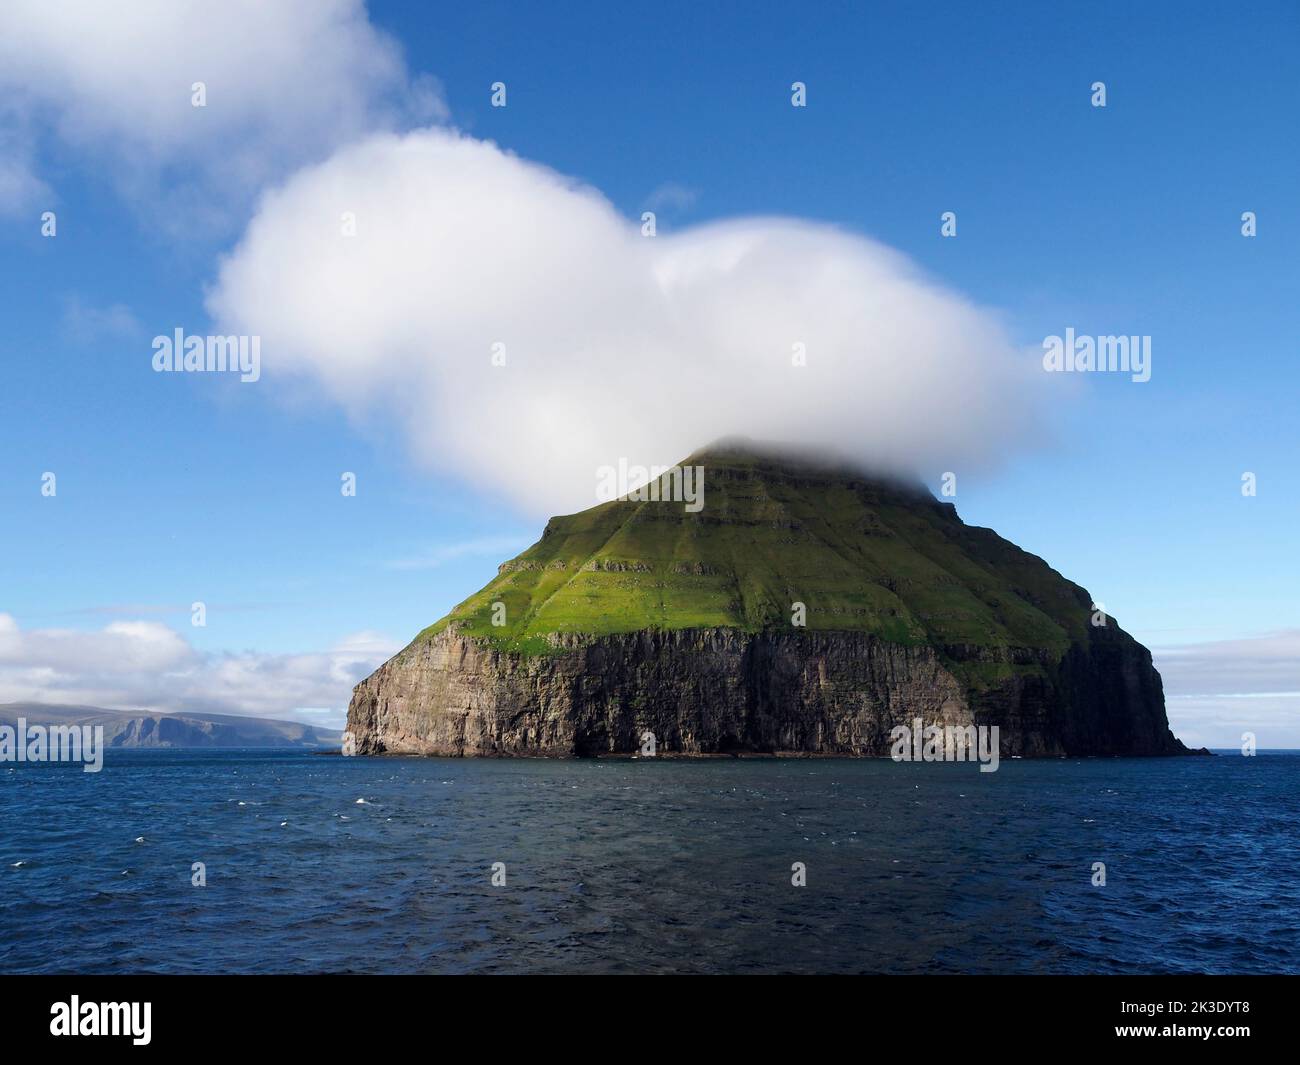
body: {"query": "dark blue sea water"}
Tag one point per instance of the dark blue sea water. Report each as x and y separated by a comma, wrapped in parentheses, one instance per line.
(649, 866)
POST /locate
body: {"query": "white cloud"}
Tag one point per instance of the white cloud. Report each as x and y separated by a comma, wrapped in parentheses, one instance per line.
(286, 83)
(1220, 689)
(617, 345)
(84, 323)
(672, 196)
(1222, 721)
(143, 665)
(20, 189)
(1256, 665)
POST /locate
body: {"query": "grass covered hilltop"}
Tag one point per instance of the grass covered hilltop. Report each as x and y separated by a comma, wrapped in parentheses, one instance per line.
(862, 553)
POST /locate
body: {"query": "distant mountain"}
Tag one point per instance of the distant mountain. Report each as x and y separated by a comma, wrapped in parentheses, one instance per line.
(125, 728)
(649, 616)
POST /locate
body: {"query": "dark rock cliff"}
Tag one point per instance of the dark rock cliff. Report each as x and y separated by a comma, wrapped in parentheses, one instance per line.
(722, 691)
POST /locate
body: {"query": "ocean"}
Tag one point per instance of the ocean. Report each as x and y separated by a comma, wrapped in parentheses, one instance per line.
(315, 863)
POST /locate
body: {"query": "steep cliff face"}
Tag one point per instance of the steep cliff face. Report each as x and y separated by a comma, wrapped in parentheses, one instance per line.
(707, 691)
(642, 616)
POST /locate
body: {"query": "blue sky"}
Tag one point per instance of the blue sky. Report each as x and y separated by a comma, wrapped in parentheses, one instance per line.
(1123, 219)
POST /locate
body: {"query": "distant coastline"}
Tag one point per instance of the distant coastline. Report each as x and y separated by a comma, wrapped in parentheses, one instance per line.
(125, 729)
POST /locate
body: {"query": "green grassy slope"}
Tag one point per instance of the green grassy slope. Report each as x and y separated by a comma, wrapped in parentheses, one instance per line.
(863, 554)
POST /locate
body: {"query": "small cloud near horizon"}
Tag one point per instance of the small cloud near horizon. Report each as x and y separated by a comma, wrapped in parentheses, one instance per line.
(147, 666)
(1219, 689)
